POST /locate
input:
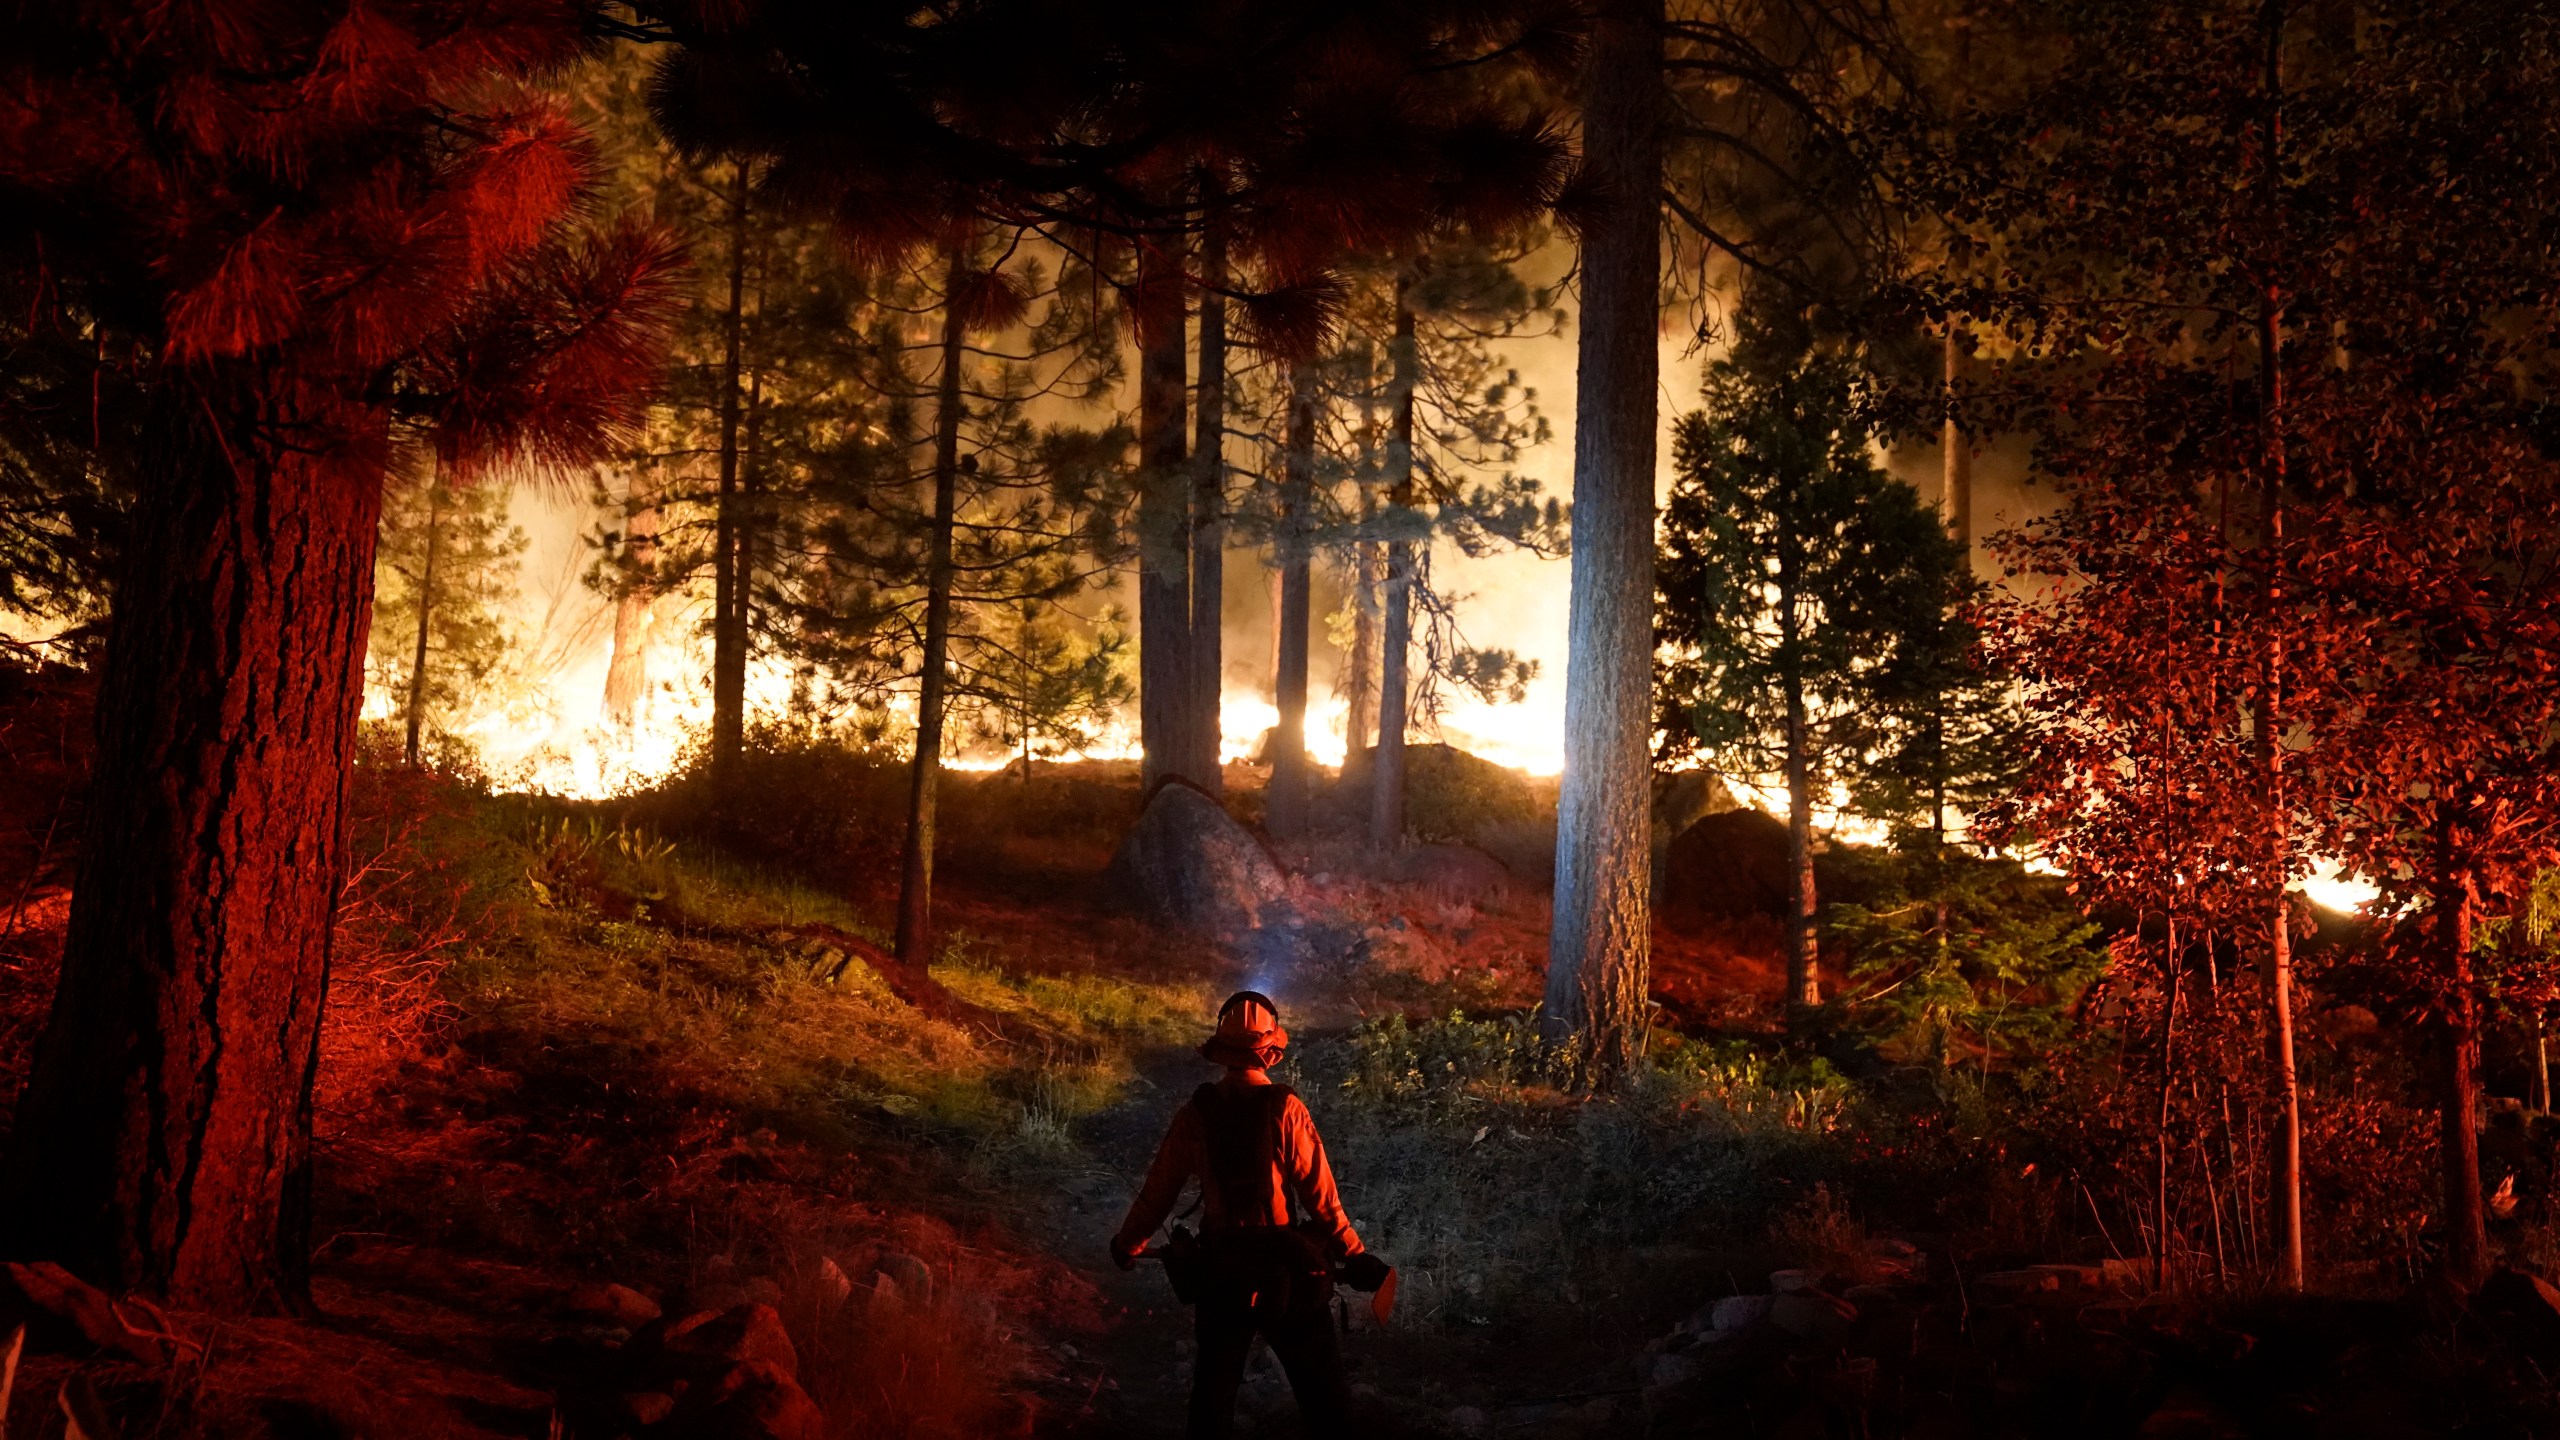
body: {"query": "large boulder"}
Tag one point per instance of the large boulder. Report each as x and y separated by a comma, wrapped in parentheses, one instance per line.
(1189, 865)
(1726, 867)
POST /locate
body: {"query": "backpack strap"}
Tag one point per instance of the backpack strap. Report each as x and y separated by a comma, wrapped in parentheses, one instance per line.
(1243, 1133)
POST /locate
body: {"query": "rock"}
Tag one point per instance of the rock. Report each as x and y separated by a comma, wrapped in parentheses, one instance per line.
(1670, 1370)
(615, 1305)
(1461, 872)
(1732, 866)
(64, 1311)
(1791, 1282)
(647, 1407)
(1726, 867)
(834, 1286)
(1187, 864)
(703, 1345)
(914, 1278)
(2002, 1285)
(1810, 1315)
(1740, 1312)
(753, 1400)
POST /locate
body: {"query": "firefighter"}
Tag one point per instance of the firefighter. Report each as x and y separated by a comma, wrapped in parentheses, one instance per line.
(1253, 1270)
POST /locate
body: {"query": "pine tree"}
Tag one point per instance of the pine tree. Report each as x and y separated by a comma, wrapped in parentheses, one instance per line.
(444, 571)
(1798, 581)
(312, 228)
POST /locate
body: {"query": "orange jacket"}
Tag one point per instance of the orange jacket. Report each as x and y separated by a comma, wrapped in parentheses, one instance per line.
(1300, 1171)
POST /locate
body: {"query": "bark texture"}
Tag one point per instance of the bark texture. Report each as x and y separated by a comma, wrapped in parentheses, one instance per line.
(1395, 651)
(728, 582)
(2466, 1221)
(426, 618)
(1804, 901)
(1598, 949)
(168, 1114)
(924, 771)
(1164, 524)
(1209, 521)
(1287, 809)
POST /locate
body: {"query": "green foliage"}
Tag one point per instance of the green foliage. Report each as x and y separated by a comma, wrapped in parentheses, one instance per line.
(450, 552)
(1805, 595)
(1966, 956)
(1498, 1194)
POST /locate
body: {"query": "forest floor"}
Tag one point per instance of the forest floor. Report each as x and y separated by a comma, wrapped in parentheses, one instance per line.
(580, 1046)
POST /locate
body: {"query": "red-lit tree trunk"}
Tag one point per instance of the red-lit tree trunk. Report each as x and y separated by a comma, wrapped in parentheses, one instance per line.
(1209, 517)
(163, 1141)
(924, 773)
(426, 616)
(1287, 808)
(1599, 947)
(1395, 650)
(2466, 1221)
(1164, 520)
(728, 601)
(2286, 1182)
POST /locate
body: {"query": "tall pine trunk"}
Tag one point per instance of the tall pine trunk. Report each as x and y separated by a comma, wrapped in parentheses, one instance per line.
(2466, 1244)
(728, 604)
(924, 773)
(1360, 668)
(1599, 946)
(1164, 521)
(426, 614)
(163, 1140)
(626, 674)
(1395, 650)
(1287, 809)
(1208, 515)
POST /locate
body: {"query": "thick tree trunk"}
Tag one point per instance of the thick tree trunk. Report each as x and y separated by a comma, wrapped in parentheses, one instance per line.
(426, 614)
(626, 674)
(924, 772)
(728, 602)
(1164, 522)
(1287, 809)
(1209, 521)
(1600, 944)
(163, 1140)
(1395, 652)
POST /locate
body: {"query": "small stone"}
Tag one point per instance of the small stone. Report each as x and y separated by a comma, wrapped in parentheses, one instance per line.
(613, 1305)
(1670, 1370)
(1740, 1312)
(2010, 1284)
(708, 1343)
(834, 1286)
(647, 1407)
(753, 1400)
(913, 1276)
(1790, 1282)
(1810, 1316)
